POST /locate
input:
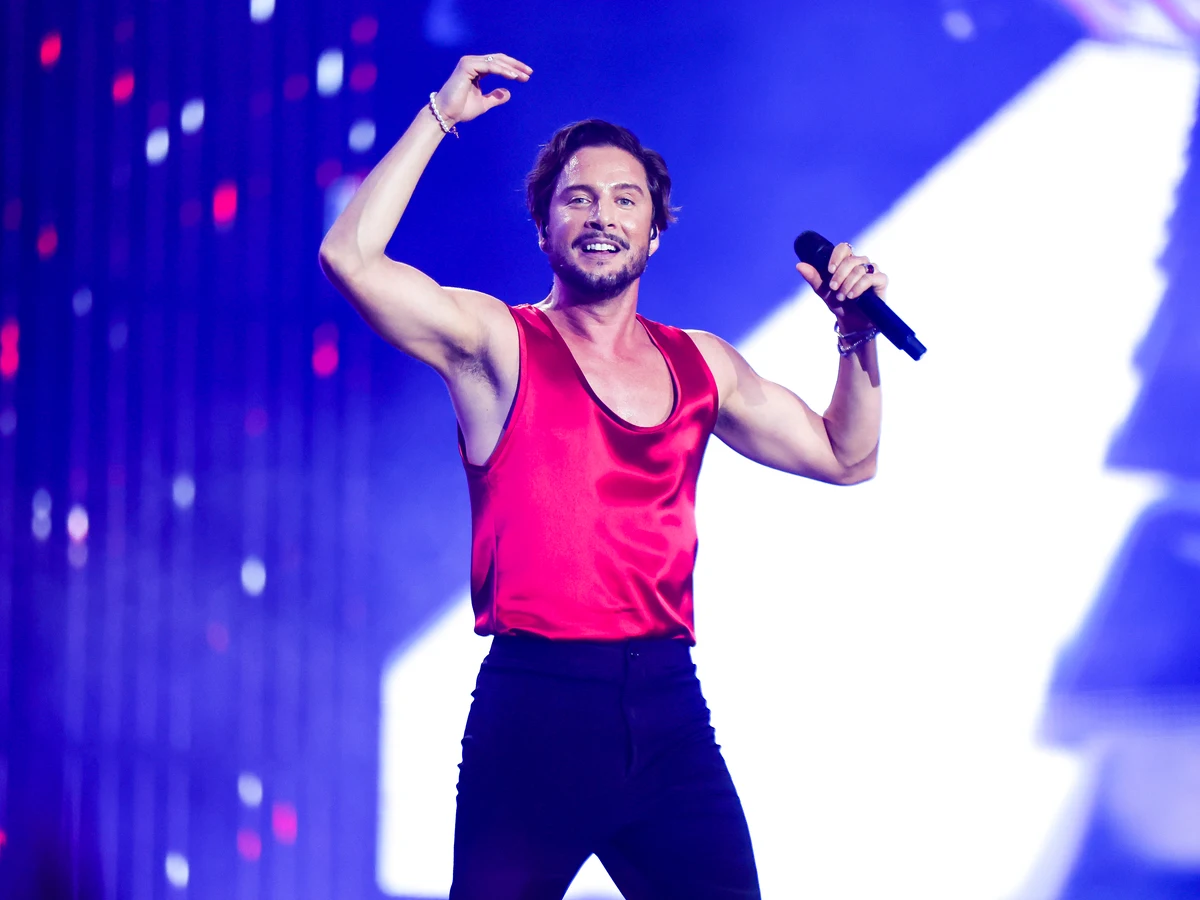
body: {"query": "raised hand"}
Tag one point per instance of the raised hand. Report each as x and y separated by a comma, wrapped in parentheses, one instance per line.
(848, 278)
(461, 99)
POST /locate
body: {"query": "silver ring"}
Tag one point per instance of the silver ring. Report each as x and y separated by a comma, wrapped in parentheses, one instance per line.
(489, 58)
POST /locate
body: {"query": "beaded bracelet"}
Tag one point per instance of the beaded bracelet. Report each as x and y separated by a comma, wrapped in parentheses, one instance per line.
(453, 129)
(859, 338)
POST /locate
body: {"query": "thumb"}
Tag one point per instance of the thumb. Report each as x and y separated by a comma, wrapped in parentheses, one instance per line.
(496, 97)
(811, 275)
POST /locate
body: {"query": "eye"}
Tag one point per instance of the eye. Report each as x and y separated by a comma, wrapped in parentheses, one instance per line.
(628, 200)
(584, 199)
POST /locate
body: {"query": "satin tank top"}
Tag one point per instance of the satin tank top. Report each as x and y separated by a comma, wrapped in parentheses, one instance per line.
(583, 525)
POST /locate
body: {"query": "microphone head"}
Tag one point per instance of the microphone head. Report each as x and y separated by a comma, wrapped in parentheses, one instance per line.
(813, 249)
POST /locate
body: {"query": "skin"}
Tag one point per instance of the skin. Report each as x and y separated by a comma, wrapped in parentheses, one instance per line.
(470, 338)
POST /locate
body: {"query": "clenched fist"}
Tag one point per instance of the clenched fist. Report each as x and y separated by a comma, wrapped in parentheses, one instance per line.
(461, 99)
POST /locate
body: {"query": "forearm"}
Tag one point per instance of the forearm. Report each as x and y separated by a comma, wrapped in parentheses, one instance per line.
(853, 417)
(362, 231)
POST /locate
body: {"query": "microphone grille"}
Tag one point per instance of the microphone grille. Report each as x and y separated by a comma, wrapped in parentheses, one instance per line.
(813, 249)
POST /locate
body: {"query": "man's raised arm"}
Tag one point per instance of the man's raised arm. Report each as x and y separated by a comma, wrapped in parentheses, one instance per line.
(410, 310)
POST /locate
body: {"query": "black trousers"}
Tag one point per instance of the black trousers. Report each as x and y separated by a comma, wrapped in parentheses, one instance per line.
(579, 747)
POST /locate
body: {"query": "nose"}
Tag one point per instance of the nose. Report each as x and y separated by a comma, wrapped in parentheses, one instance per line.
(603, 214)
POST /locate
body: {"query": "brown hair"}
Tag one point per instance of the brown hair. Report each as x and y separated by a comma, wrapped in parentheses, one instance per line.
(555, 153)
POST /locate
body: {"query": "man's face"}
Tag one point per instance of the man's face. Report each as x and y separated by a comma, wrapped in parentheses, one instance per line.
(599, 220)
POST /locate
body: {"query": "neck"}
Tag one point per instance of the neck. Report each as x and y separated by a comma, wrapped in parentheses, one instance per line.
(607, 320)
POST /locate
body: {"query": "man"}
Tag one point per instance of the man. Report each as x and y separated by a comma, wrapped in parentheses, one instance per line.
(582, 427)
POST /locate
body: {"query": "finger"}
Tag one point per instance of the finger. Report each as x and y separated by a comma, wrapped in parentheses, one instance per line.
(493, 64)
(515, 63)
(878, 281)
(496, 97)
(840, 252)
(812, 276)
(849, 267)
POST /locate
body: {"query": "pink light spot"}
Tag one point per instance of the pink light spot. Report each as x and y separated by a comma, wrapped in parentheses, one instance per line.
(249, 844)
(122, 87)
(51, 49)
(47, 241)
(224, 206)
(362, 76)
(325, 360)
(283, 822)
(10, 358)
(364, 29)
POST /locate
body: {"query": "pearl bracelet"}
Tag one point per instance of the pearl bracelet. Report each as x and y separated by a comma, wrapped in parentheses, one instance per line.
(453, 129)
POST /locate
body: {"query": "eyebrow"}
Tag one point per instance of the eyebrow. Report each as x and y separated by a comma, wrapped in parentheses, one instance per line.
(625, 185)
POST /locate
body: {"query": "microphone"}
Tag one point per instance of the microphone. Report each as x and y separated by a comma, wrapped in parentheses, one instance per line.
(816, 250)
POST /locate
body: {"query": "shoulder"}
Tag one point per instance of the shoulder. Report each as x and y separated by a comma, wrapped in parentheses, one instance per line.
(722, 359)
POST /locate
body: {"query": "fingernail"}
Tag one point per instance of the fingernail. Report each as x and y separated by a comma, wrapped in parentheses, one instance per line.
(833, 285)
(840, 297)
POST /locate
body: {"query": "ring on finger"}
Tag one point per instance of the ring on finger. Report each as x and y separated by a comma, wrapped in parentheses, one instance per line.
(489, 58)
(869, 267)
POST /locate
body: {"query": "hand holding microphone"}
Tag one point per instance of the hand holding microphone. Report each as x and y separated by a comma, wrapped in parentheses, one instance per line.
(853, 289)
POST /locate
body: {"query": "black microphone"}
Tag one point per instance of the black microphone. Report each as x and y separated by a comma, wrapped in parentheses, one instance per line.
(815, 250)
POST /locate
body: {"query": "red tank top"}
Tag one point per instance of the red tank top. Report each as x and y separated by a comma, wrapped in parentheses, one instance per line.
(583, 525)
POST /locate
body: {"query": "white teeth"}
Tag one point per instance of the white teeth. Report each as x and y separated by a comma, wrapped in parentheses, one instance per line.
(601, 247)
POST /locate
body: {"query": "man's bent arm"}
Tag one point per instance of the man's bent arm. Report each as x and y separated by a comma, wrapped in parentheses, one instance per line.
(408, 308)
(769, 424)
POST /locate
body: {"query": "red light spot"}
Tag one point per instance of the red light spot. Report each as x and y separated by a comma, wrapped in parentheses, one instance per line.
(363, 30)
(10, 358)
(328, 171)
(362, 76)
(283, 822)
(12, 214)
(122, 87)
(218, 636)
(325, 360)
(225, 203)
(189, 213)
(249, 844)
(3, 838)
(256, 421)
(47, 241)
(51, 49)
(295, 86)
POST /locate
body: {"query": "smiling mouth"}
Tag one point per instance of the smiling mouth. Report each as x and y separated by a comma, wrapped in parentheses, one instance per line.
(600, 248)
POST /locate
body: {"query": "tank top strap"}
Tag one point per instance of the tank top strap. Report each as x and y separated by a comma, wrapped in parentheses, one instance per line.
(696, 382)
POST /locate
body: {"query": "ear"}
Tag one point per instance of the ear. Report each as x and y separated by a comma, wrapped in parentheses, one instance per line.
(653, 239)
(543, 236)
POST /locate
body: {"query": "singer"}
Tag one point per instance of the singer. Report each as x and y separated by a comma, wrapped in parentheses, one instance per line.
(581, 428)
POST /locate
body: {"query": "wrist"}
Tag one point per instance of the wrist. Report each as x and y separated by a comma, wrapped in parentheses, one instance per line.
(446, 124)
(852, 321)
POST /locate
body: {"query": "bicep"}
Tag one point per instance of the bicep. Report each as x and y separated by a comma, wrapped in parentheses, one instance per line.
(771, 425)
(764, 421)
(437, 325)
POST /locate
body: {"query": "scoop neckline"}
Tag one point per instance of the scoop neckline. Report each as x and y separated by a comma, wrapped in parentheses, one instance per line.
(604, 407)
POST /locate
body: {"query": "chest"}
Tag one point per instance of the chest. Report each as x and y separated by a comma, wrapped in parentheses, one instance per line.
(636, 386)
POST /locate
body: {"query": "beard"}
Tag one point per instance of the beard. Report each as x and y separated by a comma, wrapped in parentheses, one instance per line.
(598, 285)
